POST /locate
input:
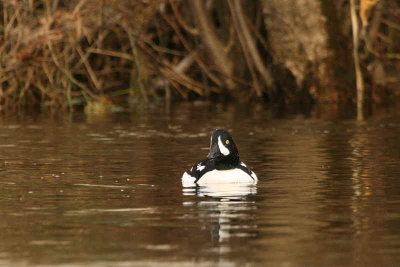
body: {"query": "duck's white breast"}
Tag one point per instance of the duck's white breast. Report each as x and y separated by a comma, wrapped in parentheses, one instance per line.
(222, 176)
(188, 180)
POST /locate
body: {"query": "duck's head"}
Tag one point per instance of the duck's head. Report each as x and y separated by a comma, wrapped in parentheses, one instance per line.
(222, 147)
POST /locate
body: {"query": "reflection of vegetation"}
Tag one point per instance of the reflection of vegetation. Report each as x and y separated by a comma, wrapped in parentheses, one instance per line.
(66, 53)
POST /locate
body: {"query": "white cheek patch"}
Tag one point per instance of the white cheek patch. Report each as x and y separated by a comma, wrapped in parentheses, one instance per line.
(222, 148)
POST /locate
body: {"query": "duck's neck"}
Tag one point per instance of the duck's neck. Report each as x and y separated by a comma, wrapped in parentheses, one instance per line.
(227, 162)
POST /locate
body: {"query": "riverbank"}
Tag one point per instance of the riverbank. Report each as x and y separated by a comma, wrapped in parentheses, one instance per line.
(66, 55)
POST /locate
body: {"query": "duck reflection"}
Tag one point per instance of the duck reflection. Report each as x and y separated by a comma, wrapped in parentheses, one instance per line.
(228, 208)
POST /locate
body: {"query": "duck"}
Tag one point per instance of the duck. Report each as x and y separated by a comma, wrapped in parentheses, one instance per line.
(222, 164)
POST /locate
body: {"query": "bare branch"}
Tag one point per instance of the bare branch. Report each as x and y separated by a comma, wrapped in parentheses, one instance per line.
(212, 42)
(249, 45)
(181, 20)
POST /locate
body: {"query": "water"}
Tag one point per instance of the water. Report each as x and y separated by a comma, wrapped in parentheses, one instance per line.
(105, 191)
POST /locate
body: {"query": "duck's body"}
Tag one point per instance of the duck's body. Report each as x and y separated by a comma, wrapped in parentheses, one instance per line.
(222, 164)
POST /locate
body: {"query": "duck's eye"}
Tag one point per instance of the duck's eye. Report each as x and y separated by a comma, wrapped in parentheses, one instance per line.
(227, 142)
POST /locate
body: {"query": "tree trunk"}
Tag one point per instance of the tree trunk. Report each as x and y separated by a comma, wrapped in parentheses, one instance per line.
(300, 42)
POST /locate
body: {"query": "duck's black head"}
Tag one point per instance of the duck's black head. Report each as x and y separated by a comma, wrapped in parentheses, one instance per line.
(223, 150)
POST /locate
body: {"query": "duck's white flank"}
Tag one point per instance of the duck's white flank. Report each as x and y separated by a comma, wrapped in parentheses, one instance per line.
(221, 177)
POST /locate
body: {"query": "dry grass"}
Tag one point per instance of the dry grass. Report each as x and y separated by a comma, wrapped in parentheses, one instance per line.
(63, 53)
(59, 54)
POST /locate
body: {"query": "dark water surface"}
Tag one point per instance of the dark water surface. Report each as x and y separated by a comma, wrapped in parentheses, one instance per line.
(106, 191)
